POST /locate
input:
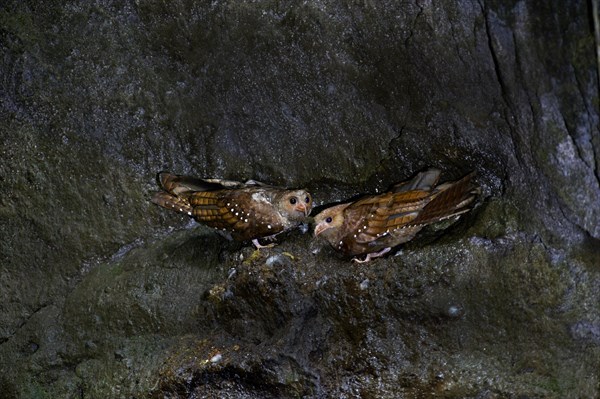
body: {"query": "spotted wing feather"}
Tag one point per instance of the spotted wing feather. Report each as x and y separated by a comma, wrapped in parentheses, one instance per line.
(210, 208)
(236, 212)
(376, 219)
(168, 201)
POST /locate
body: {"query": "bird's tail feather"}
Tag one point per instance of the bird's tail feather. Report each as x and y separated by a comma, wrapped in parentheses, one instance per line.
(450, 199)
(168, 201)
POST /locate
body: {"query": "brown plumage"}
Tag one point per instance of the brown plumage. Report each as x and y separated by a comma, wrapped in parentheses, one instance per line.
(245, 211)
(374, 224)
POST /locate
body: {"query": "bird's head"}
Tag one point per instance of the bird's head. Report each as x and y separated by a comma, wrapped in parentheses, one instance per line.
(329, 221)
(296, 204)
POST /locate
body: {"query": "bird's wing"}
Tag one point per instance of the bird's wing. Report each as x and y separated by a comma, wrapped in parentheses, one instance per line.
(230, 184)
(179, 184)
(256, 183)
(375, 217)
(173, 202)
(448, 200)
(245, 212)
(365, 220)
(422, 181)
(211, 208)
(404, 208)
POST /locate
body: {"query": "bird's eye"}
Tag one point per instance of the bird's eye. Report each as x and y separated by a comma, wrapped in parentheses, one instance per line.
(293, 200)
(307, 199)
(329, 219)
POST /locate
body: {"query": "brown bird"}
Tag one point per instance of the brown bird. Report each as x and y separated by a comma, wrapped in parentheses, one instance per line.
(374, 224)
(243, 211)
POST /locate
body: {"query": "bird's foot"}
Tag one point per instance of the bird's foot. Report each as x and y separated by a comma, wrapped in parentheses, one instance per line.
(258, 245)
(372, 255)
(272, 237)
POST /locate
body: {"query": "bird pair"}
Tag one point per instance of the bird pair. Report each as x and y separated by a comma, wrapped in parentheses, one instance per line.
(370, 226)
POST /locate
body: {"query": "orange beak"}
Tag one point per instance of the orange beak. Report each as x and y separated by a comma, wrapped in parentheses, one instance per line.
(301, 207)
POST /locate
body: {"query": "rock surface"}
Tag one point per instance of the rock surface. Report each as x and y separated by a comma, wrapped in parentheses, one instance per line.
(104, 295)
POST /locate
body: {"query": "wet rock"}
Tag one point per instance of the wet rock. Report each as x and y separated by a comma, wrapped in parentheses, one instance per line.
(104, 295)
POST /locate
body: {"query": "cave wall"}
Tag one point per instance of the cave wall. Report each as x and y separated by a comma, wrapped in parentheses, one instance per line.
(340, 98)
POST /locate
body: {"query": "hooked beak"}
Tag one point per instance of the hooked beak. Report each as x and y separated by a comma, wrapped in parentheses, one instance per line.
(321, 227)
(301, 207)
